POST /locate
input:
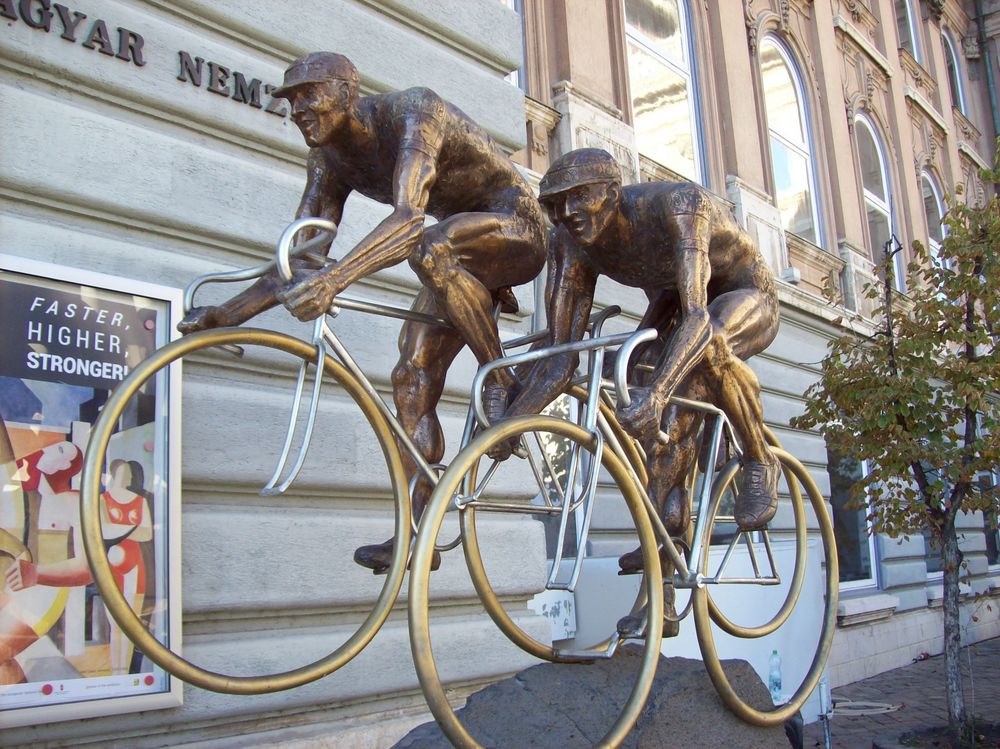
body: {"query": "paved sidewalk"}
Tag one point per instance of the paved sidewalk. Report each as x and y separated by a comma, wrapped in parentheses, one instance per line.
(919, 689)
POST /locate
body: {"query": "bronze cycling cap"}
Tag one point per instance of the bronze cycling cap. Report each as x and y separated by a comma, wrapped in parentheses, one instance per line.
(581, 167)
(317, 67)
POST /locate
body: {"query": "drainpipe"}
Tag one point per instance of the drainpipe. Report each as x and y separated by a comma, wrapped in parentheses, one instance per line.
(990, 82)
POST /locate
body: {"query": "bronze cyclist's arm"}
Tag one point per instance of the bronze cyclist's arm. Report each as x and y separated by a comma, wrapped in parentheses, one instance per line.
(693, 330)
(396, 237)
(569, 298)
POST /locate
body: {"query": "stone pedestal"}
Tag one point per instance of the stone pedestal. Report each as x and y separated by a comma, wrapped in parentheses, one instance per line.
(567, 706)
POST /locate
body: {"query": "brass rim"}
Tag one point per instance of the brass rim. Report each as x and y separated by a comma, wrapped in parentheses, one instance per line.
(94, 547)
(703, 617)
(419, 602)
(489, 598)
(721, 484)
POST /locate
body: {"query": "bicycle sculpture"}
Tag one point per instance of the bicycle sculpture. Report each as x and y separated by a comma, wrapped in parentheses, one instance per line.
(711, 305)
(423, 156)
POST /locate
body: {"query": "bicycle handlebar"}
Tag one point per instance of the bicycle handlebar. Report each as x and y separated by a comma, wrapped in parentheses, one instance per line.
(621, 362)
(284, 252)
(281, 260)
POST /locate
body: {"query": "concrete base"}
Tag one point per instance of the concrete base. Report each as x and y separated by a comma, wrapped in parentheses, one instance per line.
(573, 706)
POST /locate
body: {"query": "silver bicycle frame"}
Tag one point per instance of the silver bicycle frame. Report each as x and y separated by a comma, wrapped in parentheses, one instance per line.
(326, 343)
(581, 495)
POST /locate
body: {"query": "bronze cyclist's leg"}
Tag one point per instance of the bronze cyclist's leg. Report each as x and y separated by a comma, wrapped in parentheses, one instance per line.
(425, 353)
(463, 259)
(669, 467)
(745, 323)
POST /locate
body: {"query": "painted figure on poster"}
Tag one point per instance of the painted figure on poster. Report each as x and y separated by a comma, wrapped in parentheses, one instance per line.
(424, 157)
(711, 297)
(37, 588)
(126, 524)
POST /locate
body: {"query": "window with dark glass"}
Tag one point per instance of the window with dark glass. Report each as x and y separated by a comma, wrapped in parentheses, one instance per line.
(855, 545)
(906, 27)
(954, 74)
(517, 77)
(988, 485)
(933, 214)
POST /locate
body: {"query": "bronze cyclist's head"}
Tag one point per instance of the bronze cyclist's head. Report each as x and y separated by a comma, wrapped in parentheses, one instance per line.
(582, 193)
(322, 88)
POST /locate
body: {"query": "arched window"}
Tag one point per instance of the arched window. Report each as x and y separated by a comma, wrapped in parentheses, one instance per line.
(790, 140)
(906, 27)
(878, 199)
(934, 213)
(662, 78)
(954, 74)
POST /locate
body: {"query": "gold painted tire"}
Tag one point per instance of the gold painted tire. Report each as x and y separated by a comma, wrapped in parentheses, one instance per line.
(158, 364)
(455, 482)
(706, 613)
(724, 481)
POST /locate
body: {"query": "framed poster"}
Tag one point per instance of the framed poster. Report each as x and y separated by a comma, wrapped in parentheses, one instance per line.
(69, 337)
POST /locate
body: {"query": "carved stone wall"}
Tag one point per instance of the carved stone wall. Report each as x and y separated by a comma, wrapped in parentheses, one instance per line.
(127, 170)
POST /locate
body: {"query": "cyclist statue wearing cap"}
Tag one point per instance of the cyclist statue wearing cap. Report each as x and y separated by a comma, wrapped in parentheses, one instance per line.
(711, 297)
(423, 156)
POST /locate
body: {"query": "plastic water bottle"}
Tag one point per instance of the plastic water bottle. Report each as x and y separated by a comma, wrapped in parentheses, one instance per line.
(774, 677)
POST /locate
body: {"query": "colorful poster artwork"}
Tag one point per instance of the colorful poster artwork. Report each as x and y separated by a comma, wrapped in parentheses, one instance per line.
(67, 343)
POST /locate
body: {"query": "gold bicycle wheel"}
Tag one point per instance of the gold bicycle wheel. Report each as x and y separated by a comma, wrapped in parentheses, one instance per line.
(723, 484)
(455, 482)
(119, 608)
(706, 612)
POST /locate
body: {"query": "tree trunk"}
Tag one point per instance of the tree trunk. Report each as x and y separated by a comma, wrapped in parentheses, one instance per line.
(955, 696)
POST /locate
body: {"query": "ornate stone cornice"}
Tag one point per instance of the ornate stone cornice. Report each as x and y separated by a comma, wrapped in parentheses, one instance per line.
(862, 42)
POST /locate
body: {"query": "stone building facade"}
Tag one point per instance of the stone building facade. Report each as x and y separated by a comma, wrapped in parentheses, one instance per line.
(831, 126)
(167, 159)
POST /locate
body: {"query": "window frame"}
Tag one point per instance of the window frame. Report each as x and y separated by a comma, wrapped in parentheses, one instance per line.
(807, 149)
(954, 73)
(885, 206)
(690, 76)
(914, 31)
